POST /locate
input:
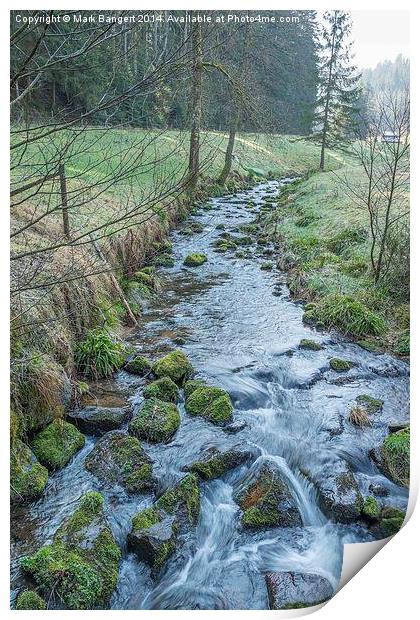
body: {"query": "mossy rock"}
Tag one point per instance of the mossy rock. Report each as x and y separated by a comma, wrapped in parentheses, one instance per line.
(155, 421)
(371, 508)
(57, 444)
(267, 502)
(243, 240)
(164, 260)
(195, 260)
(27, 476)
(163, 389)
(214, 463)
(154, 531)
(267, 266)
(370, 404)
(145, 278)
(340, 365)
(339, 493)
(391, 521)
(118, 458)
(370, 345)
(211, 403)
(310, 345)
(191, 385)
(220, 227)
(139, 365)
(293, 590)
(395, 456)
(175, 365)
(99, 420)
(30, 600)
(80, 566)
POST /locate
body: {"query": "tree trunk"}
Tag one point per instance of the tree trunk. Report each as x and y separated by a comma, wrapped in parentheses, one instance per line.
(229, 151)
(327, 101)
(196, 103)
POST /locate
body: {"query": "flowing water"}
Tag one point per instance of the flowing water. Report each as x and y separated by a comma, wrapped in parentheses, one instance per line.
(241, 330)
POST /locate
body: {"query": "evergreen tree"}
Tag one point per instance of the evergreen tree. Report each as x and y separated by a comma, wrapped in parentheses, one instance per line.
(339, 90)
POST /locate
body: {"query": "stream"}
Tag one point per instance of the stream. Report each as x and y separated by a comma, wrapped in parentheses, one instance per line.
(240, 329)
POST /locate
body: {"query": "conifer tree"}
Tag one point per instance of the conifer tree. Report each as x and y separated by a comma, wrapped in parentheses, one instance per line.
(339, 90)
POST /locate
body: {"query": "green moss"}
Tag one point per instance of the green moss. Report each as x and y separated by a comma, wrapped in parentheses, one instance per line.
(192, 385)
(184, 496)
(139, 365)
(370, 404)
(164, 260)
(395, 456)
(211, 468)
(371, 508)
(139, 479)
(80, 567)
(392, 520)
(210, 402)
(403, 344)
(57, 443)
(195, 260)
(99, 355)
(349, 316)
(267, 266)
(370, 345)
(145, 519)
(30, 600)
(340, 365)
(155, 421)
(164, 389)
(175, 365)
(254, 517)
(311, 345)
(27, 477)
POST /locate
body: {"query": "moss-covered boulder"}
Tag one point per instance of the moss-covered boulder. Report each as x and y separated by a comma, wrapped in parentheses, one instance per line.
(175, 365)
(371, 509)
(195, 260)
(389, 522)
(292, 590)
(27, 476)
(29, 600)
(339, 493)
(155, 421)
(163, 388)
(214, 463)
(394, 456)
(267, 501)
(164, 260)
(211, 403)
(154, 532)
(340, 365)
(138, 365)
(118, 458)
(99, 420)
(310, 345)
(370, 405)
(267, 266)
(79, 568)
(191, 385)
(57, 444)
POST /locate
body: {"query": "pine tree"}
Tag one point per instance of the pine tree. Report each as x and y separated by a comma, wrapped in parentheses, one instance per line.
(339, 89)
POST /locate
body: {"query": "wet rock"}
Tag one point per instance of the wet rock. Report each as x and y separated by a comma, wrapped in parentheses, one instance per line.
(163, 388)
(291, 590)
(195, 260)
(235, 427)
(214, 463)
(340, 365)
(371, 405)
(267, 501)
(393, 427)
(118, 458)
(378, 489)
(393, 456)
(29, 600)
(370, 345)
(339, 492)
(80, 566)
(267, 266)
(164, 260)
(27, 476)
(310, 345)
(212, 403)
(138, 365)
(389, 523)
(99, 420)
(155, 421)
(57, 444)
(175, 365)
(154, 532)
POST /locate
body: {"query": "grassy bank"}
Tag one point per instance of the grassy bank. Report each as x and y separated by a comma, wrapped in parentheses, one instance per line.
(68, 333)
(324, 244)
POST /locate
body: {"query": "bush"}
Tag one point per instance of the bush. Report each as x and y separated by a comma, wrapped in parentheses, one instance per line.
(99, 355)
(349, 316)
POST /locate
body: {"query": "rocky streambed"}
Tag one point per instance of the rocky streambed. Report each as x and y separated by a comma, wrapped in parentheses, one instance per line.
(227, 475)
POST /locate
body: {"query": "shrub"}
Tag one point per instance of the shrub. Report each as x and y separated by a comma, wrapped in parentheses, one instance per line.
(349, 316)
(30, 600)
(99, 355)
